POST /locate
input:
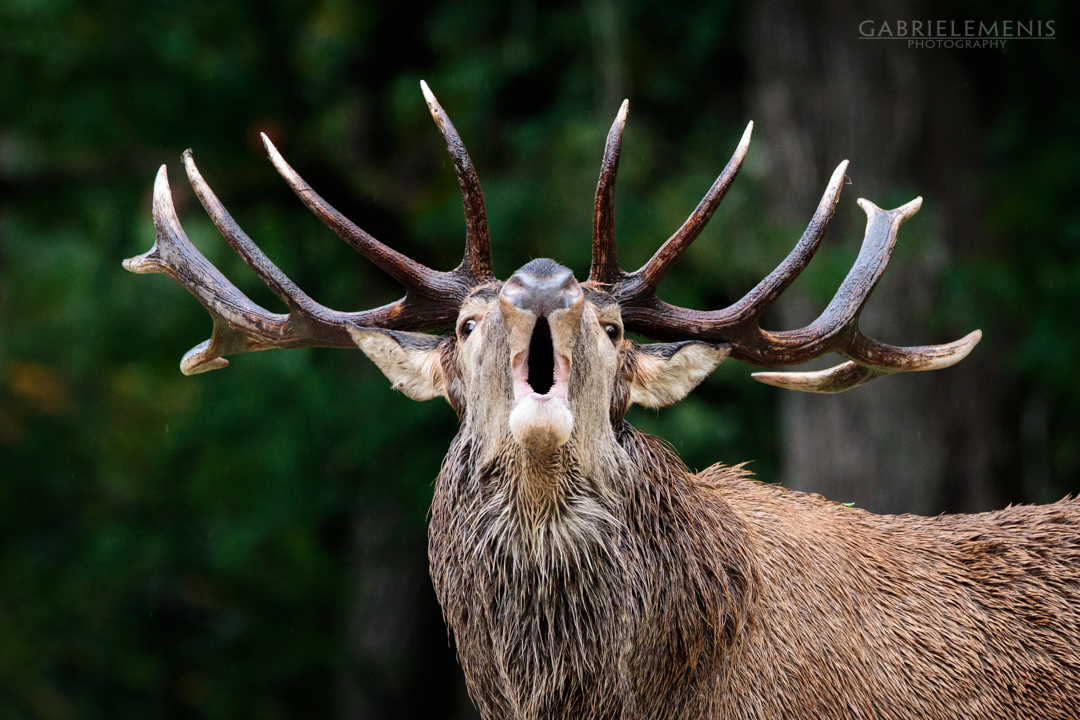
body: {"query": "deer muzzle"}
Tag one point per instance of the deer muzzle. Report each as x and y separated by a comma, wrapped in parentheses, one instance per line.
(542, 287)
(542, 304)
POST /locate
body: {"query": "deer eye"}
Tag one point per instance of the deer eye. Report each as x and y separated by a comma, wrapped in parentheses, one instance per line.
(466, 328)
(612, 332)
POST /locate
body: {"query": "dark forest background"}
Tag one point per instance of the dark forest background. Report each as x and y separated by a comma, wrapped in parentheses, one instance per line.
(251, 542)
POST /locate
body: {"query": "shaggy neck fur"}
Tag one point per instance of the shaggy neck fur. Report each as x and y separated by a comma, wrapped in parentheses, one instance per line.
(579, 592)
(647, 592)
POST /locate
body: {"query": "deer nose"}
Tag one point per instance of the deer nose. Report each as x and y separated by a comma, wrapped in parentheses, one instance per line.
(542, 287)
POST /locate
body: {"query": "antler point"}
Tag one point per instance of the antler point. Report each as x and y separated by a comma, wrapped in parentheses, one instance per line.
(829, 381)
(161, 180)
(199, 359)
(207, 366)
(968, 342)
(836, 182)
(162, 193)
(428, 95)
(910, 208)
(744, 143)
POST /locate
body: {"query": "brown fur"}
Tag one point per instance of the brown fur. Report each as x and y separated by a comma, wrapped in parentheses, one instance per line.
(717, 596)
(601, 579)
(862, 615)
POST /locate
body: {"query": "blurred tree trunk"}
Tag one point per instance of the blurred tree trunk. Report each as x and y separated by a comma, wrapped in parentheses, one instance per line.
(924, 442)
(401, 664)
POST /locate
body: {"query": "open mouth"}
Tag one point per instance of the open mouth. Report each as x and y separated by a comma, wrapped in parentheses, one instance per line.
(540, 372)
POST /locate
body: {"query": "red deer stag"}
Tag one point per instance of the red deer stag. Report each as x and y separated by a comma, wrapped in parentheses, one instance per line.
(583, 570)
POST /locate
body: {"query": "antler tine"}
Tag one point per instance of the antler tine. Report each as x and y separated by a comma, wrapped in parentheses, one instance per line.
(605, 267)
(836, 327)
(477, 264)
(272, 277)
(852, 374)
(647, 278)
(835, 330)
(175, 256)
(432, 298)
(413, 275)
(651, 316)
(241, 325)
(755, 302)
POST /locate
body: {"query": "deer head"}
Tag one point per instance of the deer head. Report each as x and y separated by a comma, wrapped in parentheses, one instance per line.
(541, 358)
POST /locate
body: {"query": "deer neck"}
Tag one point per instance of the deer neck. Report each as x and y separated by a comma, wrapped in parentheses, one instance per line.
(532, 557)
(545, 486)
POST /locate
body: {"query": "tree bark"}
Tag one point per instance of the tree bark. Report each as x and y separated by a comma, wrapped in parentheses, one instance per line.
(922, 442)
(400, 662)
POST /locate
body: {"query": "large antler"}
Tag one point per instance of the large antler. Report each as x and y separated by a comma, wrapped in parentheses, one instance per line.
(432, 298)
(836, 330)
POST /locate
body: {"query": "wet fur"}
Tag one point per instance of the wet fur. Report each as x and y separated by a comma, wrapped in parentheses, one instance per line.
(584, 601)
(603, 580)
(714, 596)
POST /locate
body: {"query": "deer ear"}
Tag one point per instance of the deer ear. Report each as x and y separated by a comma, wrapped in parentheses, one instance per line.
(665, 373)
(412, 361)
